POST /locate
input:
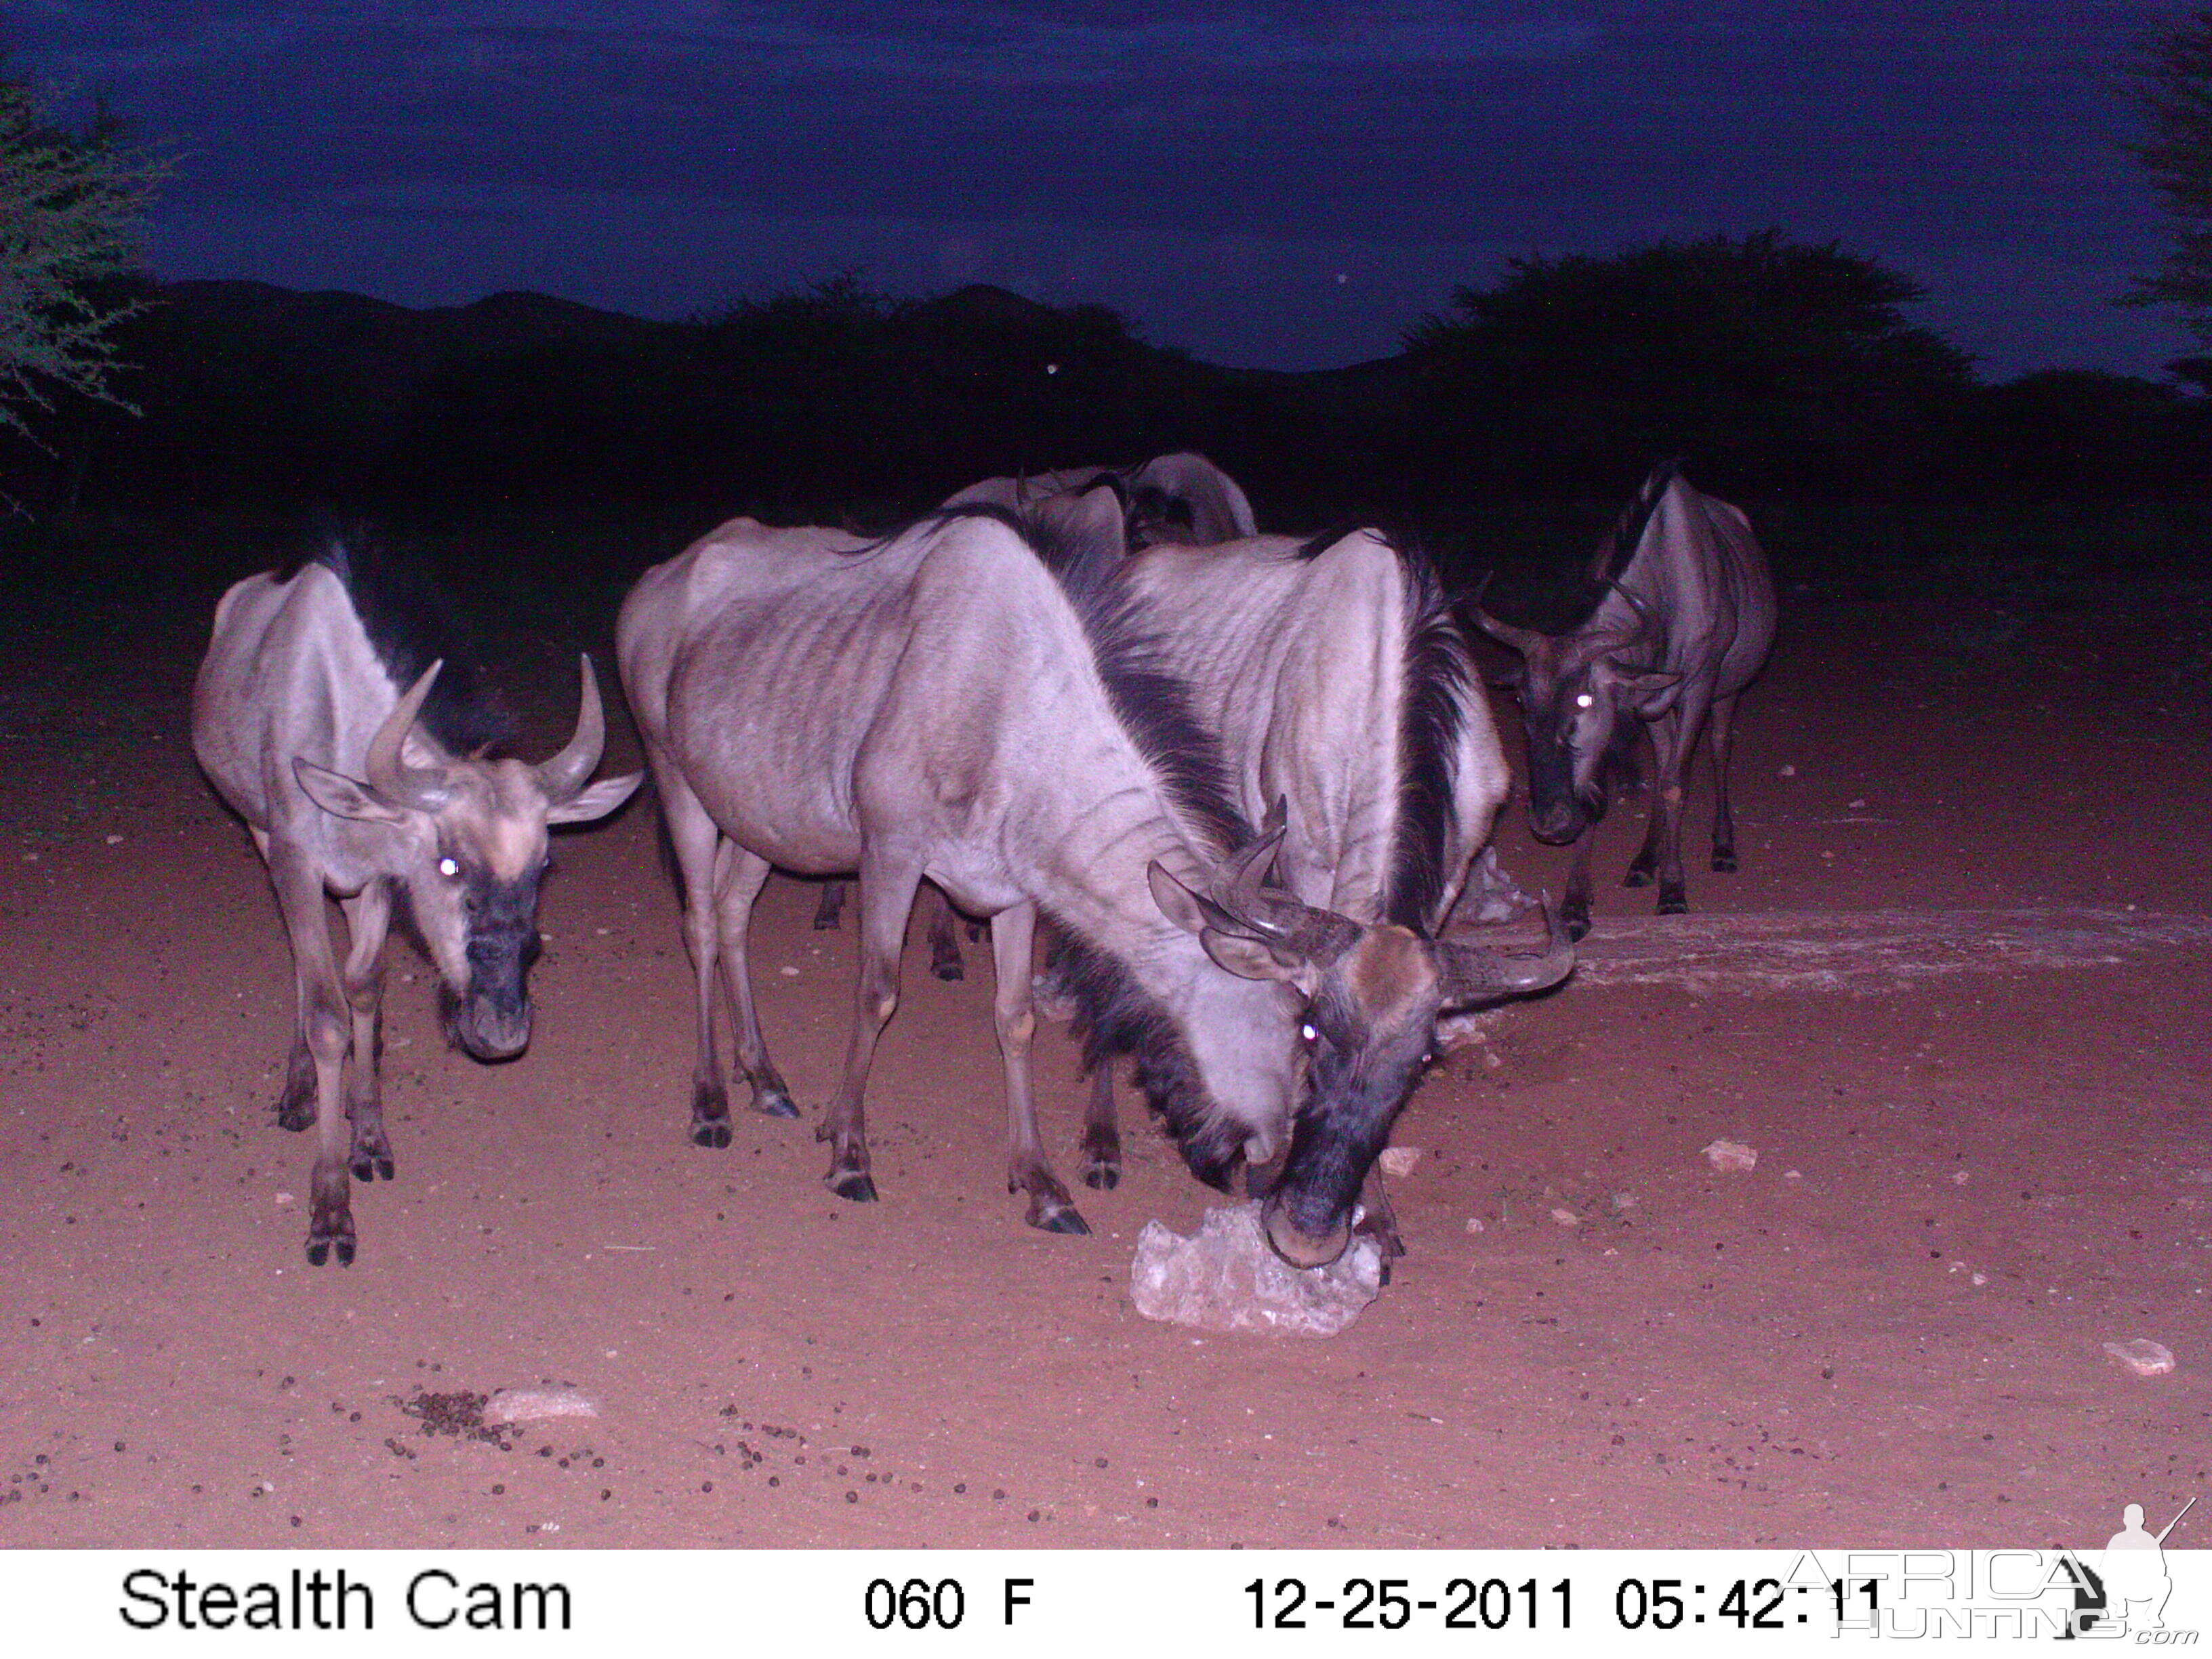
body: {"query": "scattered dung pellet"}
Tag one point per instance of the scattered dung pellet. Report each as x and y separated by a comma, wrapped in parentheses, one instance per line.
(999, 1493)
(852, 1497)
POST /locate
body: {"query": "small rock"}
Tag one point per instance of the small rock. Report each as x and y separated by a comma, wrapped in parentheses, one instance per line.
(529, 1404)
(284, 1200)
(1856, 806)
(1622, 1203)
(1730, 1157)
(1793, 1175)
(1565, 1216)
(1981, 1278)
(2143, 1356)
(1475, 1225)
(115, 841)
(1789, 771)
(1399, 1160)
(1960, 1177)
(788, 972)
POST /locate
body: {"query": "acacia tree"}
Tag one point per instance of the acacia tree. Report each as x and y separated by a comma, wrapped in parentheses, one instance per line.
(72, 217)
(1770, 361)
(2173, 86)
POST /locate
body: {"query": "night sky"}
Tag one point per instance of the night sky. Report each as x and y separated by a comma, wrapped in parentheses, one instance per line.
(1289, 185)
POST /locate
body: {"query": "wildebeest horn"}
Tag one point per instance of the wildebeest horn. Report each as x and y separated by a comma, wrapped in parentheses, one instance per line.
(1246, 906)
(1523, 640)
(388, 773)
(1475, 973)
(568, 772)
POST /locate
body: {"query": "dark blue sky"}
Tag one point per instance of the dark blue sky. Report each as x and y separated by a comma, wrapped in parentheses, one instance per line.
(1287, 184)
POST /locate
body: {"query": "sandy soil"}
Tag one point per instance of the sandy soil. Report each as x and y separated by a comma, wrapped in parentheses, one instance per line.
(1955, 1000)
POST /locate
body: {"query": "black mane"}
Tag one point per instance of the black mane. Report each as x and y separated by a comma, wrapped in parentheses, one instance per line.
(1627, 535)
(411, 624)
(1439, 671)
(1149, 699)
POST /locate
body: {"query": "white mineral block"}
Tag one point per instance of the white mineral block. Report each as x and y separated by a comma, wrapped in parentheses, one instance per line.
(1227, 1279)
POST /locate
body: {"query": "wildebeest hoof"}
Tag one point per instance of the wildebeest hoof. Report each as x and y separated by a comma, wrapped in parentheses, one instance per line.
(368, 1166)
(714, 1132)
(1725, 863)
(1105, 1177)
(323, 1241)
(825, 923)
(1575, 926)
(295, 1115)
(1674, 901)
(1636, 877)
(853, 1184)
(948, 968)
(1057, 1218)
(774, 1102)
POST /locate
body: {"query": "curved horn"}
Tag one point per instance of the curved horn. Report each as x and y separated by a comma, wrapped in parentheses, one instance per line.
(1474, 974)
(1523, 640)
(566, 772)
(388, 773)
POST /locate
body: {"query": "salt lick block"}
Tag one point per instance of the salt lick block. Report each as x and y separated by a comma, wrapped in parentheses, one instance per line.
(1226, 1278)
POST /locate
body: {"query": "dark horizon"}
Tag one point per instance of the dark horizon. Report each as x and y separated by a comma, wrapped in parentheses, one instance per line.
(1289, 186)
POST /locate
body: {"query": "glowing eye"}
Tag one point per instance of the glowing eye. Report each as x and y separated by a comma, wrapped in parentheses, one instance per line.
(1308, 1034)
(1582, 700)
(447, 868)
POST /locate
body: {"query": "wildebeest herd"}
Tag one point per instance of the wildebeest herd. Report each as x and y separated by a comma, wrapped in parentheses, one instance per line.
(1237, 782)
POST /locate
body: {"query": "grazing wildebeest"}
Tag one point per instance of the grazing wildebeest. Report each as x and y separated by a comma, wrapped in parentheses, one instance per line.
(1683, 623)
(318, 718)
(1343, 691)
(936, 705)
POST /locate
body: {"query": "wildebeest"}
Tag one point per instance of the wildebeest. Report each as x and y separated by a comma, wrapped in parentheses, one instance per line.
(317, 716)
(1342, 690)
(1682, 624)
(935, 705)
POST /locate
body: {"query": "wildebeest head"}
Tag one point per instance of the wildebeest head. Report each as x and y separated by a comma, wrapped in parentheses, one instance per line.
(1365, 998)
(470, 842)
(1582, 701)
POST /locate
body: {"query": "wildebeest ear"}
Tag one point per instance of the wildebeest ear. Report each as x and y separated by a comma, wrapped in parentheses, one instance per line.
(1253, 959)
(1177, 902)
(341, 797)
(595, 802)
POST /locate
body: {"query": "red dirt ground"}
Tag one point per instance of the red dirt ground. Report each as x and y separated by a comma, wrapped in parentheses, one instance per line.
(1983, 1154)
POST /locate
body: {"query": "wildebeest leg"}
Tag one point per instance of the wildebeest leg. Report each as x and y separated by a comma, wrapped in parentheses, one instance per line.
(944, 938)
(1380, 1221)
(1724, 733)
(368, 918)
(296, 1104)
(323, 1022)
(738, 877)
(827, 912)
(694, 837)
(1027, 1171)
(1574, 909)
(1674, 735)
(1102, 1135)
(886, 901)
